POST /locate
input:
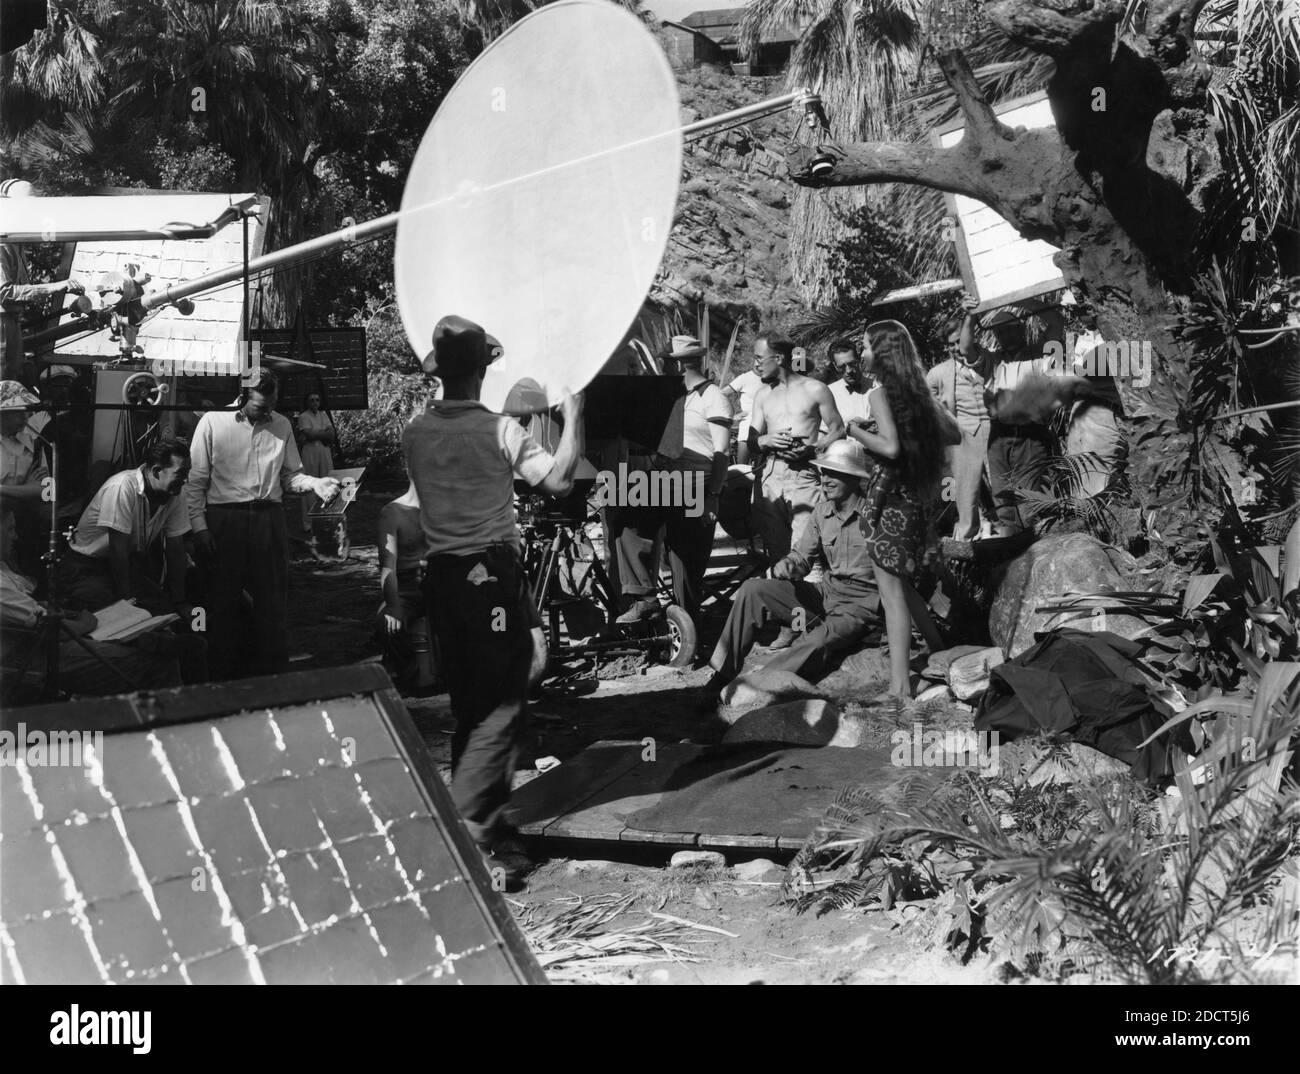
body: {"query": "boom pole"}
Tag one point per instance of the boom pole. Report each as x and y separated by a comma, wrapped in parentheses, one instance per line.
(335, 240)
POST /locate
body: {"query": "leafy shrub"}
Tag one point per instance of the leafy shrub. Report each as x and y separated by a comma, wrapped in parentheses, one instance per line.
(398, 391)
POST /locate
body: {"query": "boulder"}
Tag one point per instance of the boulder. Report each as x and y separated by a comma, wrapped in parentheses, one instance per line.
(755, 689)
(697, 859)
(1054, 567)
(937, 668)
(933, 693)
(968, 676)
(760, 869)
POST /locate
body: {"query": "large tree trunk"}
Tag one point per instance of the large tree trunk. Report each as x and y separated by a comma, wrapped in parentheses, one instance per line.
(1121, 186)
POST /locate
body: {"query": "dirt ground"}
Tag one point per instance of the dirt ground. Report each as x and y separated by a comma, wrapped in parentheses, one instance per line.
(332, 610)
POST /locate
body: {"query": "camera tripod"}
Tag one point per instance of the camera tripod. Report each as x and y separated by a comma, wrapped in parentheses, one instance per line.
(555, 555)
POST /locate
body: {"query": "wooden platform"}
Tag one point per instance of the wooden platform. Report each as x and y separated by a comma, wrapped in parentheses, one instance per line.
(594, 795)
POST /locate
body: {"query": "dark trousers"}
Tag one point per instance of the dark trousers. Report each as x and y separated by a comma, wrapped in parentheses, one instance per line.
(87, 582)
(639, 536)
(835, 616)
(252, 553)
(1014, 448)
(482, 614)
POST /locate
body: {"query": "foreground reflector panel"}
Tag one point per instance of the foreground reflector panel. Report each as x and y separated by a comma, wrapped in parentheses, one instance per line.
(280, 830)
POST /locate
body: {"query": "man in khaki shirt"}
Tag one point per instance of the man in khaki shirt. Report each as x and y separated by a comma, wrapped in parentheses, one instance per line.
(836, 610)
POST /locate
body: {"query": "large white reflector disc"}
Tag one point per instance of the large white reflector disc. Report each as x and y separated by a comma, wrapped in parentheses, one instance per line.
(541, 197)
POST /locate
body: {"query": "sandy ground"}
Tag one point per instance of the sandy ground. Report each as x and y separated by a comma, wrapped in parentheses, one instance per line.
(332, 607)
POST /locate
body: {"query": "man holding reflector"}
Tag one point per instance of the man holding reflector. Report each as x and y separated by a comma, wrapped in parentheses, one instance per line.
(463, 460)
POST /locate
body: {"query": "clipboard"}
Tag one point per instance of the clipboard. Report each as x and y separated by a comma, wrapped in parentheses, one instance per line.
(349, 482)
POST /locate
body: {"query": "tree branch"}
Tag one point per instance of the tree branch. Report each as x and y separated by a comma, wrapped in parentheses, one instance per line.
(1051, 27)
(861, 163)
(982, 123)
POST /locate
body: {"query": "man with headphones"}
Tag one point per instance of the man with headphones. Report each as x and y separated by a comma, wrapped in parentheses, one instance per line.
(241, 464)
(463, 460)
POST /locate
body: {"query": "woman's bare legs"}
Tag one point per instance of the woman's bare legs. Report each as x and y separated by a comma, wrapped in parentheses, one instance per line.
(898, 628)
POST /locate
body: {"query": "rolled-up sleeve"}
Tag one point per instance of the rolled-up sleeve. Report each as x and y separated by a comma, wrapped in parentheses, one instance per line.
(292, 478)
(528, 459)
(810, 542)
(196, 487)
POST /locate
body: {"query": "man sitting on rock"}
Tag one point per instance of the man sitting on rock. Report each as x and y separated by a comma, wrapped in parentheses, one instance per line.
(833, 613)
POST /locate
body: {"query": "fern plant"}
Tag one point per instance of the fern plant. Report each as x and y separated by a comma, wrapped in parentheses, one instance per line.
(1097, 877)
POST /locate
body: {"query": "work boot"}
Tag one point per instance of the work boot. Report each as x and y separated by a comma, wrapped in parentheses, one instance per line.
(641, 609)
(783, 640)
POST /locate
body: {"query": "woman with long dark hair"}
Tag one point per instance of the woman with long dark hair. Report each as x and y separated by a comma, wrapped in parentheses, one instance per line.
(905, 434)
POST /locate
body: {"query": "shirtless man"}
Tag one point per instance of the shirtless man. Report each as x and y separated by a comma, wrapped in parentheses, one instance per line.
(784, 436)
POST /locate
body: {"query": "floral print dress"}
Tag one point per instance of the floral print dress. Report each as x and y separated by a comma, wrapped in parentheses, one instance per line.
(894, 523)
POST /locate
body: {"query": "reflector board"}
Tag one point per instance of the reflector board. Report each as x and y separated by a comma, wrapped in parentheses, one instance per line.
(540, 200)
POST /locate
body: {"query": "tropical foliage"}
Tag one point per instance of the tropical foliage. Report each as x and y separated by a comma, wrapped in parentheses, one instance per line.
(319, 103)
(1052, 870)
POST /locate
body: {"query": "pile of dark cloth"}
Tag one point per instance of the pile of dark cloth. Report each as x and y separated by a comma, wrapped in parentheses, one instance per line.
(1087, 687)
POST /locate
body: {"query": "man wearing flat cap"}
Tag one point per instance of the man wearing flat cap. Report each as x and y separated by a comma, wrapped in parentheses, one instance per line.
(835, 611)
(696, 443)
(463, 460)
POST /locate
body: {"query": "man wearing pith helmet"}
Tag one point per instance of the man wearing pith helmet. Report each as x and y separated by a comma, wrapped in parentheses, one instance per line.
(836, 610)
(463, 460)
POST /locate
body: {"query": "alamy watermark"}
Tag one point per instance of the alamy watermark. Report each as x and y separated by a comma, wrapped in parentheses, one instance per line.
(49, 749)
(651, 488)
(949, 748)
(1130, 359)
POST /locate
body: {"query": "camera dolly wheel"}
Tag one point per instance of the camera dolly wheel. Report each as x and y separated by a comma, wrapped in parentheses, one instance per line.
(681, 639)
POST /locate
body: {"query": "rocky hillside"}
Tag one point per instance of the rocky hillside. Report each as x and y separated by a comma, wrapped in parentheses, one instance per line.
(729, 244)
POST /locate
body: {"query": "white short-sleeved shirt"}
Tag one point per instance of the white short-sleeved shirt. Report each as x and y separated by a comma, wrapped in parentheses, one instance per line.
(686, 437)
(747, 386)
(463, 460)
(121, 505)
(850, 404)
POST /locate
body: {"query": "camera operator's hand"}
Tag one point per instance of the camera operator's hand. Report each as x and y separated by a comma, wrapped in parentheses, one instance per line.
(392, 623)
(74, 286)
(571, 407)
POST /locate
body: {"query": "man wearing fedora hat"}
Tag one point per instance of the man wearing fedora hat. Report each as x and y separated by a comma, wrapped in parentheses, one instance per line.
(835, 611)
(696, 443)
(463, 460)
